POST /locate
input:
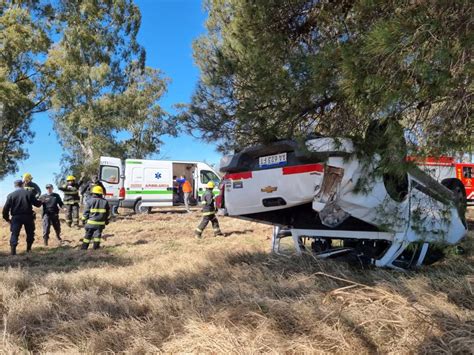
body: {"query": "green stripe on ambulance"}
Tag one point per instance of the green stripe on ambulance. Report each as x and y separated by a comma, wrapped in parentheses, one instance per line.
(149, 192)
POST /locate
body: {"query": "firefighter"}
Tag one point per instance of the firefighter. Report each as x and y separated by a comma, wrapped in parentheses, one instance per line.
(208, 211)
(71, 200)
(96, 216)
(87, 187)
(19, 205)
(29, 185)
(51, 204)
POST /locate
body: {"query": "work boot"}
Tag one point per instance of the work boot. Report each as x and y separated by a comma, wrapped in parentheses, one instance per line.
(96, 245)
(85, 246)
(28, 247)
(13, 249)
(45, 242)
(197, 235)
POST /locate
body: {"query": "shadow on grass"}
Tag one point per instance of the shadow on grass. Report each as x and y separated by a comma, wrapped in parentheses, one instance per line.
(169, 211)
(237, 232)
(273, 267)
(456, 337)
(258, 281)
(62, 259)
(243, 290)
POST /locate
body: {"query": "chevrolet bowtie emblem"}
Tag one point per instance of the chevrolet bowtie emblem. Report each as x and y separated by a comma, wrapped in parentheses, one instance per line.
(269, 189)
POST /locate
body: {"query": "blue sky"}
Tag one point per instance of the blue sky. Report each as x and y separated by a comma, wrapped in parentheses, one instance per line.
(167, 31)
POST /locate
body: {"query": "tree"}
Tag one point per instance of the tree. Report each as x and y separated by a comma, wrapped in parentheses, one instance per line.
(100, 82)
(141, 115)
(284, 69)
(22, 40)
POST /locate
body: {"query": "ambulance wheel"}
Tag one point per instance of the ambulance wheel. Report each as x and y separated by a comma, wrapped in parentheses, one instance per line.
(140, 209)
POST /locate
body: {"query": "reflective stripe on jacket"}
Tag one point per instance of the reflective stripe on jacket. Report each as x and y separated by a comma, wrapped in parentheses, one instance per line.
(96, 212)
(71, 193)
(208, 202)
(31, 186)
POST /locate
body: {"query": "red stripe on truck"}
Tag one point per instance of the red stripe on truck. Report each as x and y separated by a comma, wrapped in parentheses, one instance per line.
(298, 169)
(239, 176)
(442, 161)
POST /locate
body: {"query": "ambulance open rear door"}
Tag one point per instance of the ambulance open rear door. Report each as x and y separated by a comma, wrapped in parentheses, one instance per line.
(111, 175)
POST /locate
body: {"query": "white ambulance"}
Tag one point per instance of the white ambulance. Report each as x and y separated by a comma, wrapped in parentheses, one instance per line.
(143, 184)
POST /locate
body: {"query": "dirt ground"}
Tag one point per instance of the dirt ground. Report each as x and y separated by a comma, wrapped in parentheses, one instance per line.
(153, 287)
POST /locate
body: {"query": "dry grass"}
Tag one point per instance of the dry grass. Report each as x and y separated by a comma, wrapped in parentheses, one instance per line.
(154, 288)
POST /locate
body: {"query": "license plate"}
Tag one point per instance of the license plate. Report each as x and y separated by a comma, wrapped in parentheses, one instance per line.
(272, 160)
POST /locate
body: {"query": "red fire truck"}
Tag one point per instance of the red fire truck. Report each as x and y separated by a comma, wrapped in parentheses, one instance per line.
(449, 172)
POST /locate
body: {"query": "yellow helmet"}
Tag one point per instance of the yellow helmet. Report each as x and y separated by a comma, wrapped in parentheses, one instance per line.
(70, 178)
(97, 190)
(27, 176)
(211, 184)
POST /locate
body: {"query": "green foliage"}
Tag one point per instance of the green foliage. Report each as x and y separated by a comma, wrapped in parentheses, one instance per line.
(272, 70)
(82, 60)
(101, 87)
(141, 116)
(22, 94)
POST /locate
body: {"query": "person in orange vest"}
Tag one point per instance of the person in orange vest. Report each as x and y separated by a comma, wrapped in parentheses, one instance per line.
(187, 191)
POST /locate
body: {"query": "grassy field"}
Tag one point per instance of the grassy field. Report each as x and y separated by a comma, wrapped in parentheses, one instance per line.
(153, 287)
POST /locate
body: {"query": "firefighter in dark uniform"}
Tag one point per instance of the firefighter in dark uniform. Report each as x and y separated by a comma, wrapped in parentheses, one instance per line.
(29, 185)
(208, 212)
(71, 200)
(86, 188)
(51, 204)
(96, 216)
(19, 205)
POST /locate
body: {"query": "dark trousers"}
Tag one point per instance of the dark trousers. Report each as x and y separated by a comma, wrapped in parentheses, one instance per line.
(205, 221)
(19, 221)
(92, 235)
(72, 214)
(48, 220)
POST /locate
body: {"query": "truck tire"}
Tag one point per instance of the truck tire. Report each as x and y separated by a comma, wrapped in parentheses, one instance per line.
(140, 209)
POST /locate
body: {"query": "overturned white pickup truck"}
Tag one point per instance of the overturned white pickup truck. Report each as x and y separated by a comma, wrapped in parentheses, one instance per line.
(324, 192)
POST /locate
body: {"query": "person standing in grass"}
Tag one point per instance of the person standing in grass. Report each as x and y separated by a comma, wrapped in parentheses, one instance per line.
(187, 191)
(180, 182)
(96, 216)
(208, 212)
(71, 200)
(51, 204)
(29, 185)
(19, 205)
(86, 187)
